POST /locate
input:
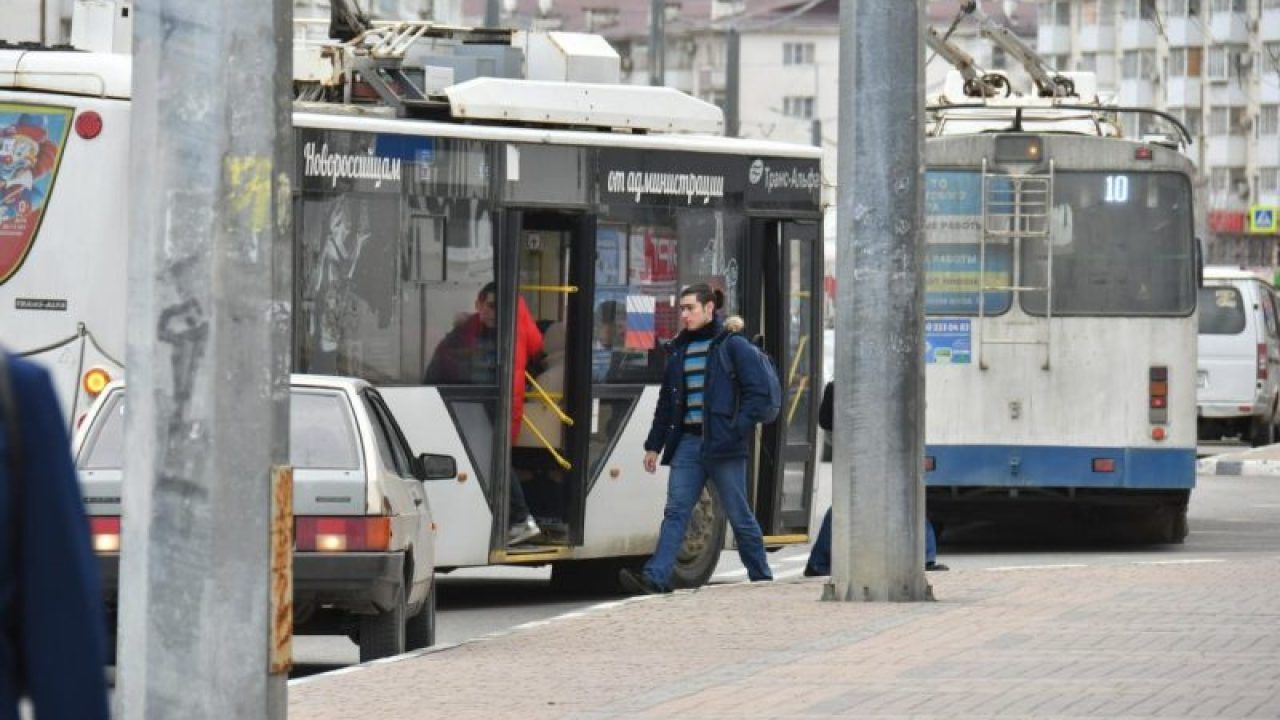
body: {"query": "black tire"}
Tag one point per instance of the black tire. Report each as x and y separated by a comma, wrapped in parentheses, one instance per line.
(703, 541)
(383, 634)
(1178, 527)
(420, 630)
(1262, 433)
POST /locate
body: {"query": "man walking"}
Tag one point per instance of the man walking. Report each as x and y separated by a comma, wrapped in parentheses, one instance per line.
(706, 413)
(51, 610)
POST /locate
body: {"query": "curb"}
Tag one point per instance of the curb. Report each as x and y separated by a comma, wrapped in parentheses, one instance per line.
(1225, 466)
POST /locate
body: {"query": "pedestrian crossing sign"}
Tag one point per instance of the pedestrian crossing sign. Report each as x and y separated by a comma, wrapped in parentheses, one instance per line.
(1262, 219)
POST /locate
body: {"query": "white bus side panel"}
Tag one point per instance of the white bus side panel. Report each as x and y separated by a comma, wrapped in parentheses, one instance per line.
(80, 253)
(459, 509)
(624, 513)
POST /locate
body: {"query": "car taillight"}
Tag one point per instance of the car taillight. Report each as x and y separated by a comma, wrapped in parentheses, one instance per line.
(342, 534)
(1158, 395)
(105, 534)
(1262, 361)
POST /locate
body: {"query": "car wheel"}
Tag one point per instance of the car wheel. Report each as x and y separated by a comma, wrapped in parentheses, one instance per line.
(382, 634)
(703, 541)
(1264, 432)
(420, 631)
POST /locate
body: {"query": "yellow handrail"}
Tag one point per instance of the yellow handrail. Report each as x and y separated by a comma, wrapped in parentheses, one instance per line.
(545, 397)
(565, 464)
(795, 402)
(795, 361)
(536, 396)
(564, 289)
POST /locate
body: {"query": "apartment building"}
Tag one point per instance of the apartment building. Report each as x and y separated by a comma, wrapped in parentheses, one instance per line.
(1215, 65)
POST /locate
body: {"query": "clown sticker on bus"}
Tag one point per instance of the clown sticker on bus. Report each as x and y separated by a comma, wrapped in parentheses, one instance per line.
(31, 142)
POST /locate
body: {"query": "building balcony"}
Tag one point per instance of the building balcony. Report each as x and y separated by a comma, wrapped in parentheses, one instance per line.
(1053, 40)
(1228, 92)
(1268, 93)
(1096, 38)
(1269, 25)
(1182, 92)
(1266, 151)
(1226, 151)
(1228, 28)
(1184, 32)
(1137, 34)
(1137, 93)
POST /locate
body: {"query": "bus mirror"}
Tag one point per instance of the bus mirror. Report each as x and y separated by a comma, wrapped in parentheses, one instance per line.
(436, 467)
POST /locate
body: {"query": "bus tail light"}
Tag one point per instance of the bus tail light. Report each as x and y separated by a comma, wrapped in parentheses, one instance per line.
(1158, 394)
(1262, 361)
(104, 531)
(88, 124)
(342, 534)
(930, 464)
(1104, 465)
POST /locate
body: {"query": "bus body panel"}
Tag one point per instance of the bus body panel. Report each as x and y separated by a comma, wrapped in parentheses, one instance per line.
(633, 533)
(76, 265)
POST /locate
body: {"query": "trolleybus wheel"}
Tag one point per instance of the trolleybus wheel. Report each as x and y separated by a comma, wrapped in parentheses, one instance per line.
(703, 541)
(420, 630)
(382, 634)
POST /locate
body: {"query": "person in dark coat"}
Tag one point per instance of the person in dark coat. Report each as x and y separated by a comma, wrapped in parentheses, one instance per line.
(820, 555)
(52, 639)
(701, 428)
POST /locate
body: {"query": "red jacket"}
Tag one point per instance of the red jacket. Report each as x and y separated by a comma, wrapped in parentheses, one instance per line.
(528, 346)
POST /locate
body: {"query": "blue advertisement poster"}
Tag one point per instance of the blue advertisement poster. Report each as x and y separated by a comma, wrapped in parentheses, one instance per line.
(951, 279)
(947, 341)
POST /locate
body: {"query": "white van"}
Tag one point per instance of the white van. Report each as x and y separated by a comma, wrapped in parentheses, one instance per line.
(1238, 383)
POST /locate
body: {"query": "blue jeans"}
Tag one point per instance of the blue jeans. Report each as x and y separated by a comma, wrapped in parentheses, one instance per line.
(689, 473)
(820, 555)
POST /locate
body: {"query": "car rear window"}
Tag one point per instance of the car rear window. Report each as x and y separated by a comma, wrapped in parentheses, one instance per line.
(1221, 311)
(321, 433)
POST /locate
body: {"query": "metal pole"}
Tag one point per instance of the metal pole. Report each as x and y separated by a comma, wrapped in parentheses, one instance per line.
(208, 358)
(877, 497)
(732, 80)
(492, 13)
(657, 42)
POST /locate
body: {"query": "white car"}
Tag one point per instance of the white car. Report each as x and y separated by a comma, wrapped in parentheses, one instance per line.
(364, 553)
(1238, 378)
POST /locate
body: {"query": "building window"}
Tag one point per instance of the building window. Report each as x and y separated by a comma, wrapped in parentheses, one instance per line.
(1235, 6)
(1177, 66)
(1195, 56)
(1270, 4)
(1226, 121)
(1218, 179)
(1269, 120)
(1269, 179)
(1224, 61)
(797, 53)
(1061, 13)
(1137, 64)
(1177, 8)
(1089, 12)
(1088, 62)
(1192, 118)
(1139, 9)
(798, 106)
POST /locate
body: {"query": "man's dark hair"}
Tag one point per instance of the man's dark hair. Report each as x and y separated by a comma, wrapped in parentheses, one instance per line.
(490, 288)
(704, 294)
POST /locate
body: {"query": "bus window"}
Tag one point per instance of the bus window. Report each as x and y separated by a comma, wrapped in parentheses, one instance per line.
(1122, 245)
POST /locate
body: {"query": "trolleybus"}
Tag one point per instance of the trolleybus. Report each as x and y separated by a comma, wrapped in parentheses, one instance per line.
(1061, 274)
(444, 176)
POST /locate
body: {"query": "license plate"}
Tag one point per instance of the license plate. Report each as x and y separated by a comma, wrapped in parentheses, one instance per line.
(1202, 379)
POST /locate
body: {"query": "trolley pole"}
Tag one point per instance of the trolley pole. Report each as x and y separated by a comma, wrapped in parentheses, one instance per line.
(204, 616)
(877, 495)
(732, 82)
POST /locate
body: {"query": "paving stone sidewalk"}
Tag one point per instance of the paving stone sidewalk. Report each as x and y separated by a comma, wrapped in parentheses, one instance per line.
(1182, 639)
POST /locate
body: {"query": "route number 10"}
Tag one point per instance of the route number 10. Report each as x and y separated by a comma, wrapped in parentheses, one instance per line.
(1117, 189)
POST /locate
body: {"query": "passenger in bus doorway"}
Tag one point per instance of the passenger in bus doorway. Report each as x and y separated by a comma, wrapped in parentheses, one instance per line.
(820, 555)
(468, 355)
(700, 436)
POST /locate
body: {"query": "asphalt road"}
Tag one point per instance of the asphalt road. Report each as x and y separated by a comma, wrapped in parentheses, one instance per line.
(1229, 517)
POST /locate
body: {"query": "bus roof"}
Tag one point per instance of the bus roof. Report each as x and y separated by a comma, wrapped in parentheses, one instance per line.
(68, 72)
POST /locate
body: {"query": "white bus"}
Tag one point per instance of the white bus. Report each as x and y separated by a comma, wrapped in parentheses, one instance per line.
(593, 202)
(1061, 275)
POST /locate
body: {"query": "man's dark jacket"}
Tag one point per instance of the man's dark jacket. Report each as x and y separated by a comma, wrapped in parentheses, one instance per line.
(730, 410)
(51, 605)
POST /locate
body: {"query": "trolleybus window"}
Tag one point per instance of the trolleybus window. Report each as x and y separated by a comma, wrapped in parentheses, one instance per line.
(1122, 245)
(954, 248)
